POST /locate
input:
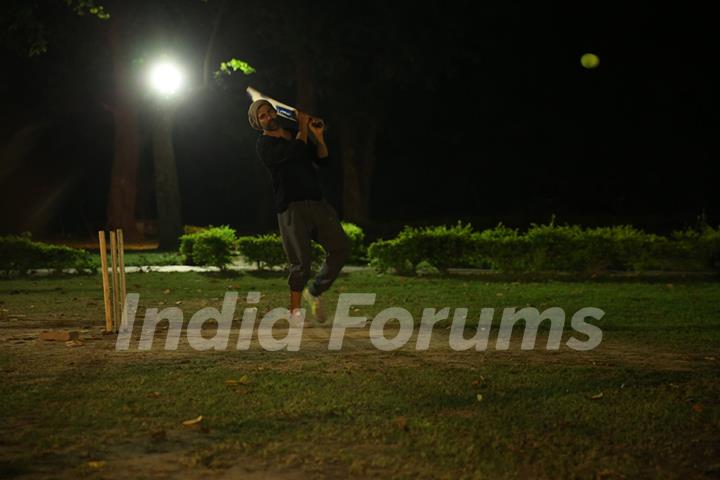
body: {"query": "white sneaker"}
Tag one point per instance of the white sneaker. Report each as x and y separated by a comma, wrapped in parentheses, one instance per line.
(297, 318)
(315, 306)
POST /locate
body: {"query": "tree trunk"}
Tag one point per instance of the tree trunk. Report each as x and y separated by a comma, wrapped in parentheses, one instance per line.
(305, 98)
(167, 191)
(357, 144)
(123, 177)
(369, 158)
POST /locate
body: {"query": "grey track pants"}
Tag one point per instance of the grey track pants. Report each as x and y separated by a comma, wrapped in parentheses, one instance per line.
(307, 220)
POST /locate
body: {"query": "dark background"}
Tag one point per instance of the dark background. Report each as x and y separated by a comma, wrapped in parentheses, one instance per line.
(486, 112)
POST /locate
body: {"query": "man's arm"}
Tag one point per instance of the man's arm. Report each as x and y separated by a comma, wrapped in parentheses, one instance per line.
(317, 129)
(303, 119)
(318, 132)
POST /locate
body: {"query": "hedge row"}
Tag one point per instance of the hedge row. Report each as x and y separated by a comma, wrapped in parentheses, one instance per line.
(541, 248)
(216, 246)
(19, 254)
(546, 248)
(266, 251)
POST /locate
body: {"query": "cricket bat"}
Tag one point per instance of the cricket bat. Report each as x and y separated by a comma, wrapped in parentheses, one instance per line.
(283, 110)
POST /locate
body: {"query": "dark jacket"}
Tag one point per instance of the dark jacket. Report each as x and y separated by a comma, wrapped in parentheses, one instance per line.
(293, 167)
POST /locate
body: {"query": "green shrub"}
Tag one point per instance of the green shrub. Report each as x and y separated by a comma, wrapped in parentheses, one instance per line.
(426, 268)
(390, 254)
(697, 248)
(187, 242)
(19, 254)
(213, 246)
(709, 247)
(358, 252)
(553, 247)
(547, 248)
(621, 247)
(572, 248)
(501, 248)
(59, 257)
(267, 250)
(440, 246)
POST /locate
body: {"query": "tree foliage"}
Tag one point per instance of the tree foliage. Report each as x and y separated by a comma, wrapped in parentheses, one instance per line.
(27, 26)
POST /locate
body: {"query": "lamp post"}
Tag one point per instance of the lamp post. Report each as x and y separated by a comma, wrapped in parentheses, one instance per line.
(166, 80)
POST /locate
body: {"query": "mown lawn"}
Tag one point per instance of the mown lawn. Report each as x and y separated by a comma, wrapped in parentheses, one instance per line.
(642, 404)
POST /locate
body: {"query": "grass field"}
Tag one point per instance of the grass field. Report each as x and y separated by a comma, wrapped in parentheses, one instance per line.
(643, 404)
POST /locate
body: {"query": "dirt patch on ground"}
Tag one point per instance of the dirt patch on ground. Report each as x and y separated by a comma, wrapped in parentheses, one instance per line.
(95, 348)
(184, 455)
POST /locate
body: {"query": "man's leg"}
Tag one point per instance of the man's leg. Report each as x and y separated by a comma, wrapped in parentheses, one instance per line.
(333, 239)
(295, 300)
(295, 233)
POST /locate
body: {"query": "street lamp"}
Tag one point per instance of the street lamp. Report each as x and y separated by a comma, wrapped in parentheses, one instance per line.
(166, 80)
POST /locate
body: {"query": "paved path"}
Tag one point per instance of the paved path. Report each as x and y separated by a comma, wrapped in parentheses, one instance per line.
(42, 272)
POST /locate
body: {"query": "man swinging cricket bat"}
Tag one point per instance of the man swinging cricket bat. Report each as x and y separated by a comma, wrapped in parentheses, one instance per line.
(284, 111)
(302, 212)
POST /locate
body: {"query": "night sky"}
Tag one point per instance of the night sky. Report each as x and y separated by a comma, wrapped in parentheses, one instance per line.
(475, 112)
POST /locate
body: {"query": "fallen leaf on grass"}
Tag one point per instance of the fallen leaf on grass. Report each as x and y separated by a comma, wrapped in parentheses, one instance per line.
(244, 380)
(479, 381)
(166, 291)
(597, 396)
(95, 464)
(479, 397)
(153, 395)
(241, 383)
(194, 422)
(74, 343)
(697, 408)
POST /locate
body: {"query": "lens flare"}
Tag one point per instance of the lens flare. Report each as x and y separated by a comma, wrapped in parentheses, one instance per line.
(166, 78)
